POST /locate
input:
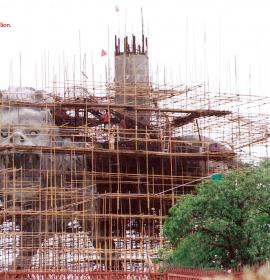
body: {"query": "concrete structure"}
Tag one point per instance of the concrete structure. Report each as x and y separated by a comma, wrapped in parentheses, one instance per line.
(132, 77)
(79, 195)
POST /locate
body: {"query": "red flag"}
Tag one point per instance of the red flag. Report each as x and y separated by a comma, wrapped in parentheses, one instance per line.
(103, 53)
(116, 8)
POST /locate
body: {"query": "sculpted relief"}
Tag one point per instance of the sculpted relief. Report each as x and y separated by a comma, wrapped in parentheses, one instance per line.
(31, 180)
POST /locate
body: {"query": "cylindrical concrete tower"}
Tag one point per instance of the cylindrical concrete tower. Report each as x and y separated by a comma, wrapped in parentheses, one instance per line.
(132, 77)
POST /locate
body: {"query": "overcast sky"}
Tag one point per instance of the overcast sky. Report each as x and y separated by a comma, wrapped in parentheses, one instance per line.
(193, 40)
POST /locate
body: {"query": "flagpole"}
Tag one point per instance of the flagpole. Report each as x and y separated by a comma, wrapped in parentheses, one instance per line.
(109, 76)
(142, 20)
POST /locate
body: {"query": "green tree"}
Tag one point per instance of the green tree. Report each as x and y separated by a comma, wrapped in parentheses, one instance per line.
(226, 224)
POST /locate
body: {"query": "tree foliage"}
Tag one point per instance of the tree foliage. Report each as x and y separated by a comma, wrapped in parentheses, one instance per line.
(226, 224)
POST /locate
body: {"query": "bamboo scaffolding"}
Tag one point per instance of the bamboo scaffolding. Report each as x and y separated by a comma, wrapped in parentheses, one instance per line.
(98, 197)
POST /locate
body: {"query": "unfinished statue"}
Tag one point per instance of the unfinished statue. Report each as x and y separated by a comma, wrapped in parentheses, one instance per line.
(29, 177)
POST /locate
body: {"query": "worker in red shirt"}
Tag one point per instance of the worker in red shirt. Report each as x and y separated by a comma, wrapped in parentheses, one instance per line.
(105, 118)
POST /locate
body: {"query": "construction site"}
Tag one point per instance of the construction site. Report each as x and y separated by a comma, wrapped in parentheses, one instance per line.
(88, 173)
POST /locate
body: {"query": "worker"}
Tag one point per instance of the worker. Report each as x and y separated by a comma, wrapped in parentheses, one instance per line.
(105, 118)
(111, 141)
